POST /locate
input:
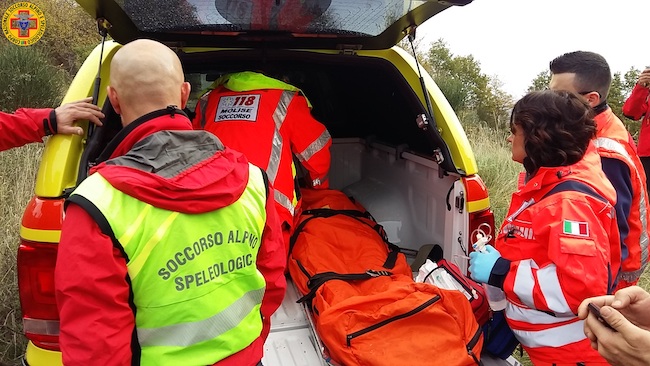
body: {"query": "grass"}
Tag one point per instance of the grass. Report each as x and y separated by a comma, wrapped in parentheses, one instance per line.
(17, 176)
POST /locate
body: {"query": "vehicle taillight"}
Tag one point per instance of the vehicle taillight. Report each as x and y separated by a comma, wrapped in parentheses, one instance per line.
(36, 287)
(40, 230)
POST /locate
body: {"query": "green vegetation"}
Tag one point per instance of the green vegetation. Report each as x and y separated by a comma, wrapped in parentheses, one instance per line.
(496, 168)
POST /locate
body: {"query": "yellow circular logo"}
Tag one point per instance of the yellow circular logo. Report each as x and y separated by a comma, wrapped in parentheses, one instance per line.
(23, 23)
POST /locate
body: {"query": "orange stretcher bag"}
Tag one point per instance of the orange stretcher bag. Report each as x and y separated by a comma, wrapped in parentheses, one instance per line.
(335, 234)
(367, 308)
(401, 323)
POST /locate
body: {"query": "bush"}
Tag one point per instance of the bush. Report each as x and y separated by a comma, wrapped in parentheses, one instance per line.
(28, 80)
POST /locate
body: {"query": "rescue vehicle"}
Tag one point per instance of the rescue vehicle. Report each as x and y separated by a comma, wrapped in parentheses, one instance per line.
(398, 146)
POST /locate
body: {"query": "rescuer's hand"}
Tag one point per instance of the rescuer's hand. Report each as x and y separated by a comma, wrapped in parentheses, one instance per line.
(68, 114)
(481, 263)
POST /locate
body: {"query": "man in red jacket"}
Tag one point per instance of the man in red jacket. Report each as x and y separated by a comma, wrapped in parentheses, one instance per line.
(270, 122)
(635, 107)
(170, 252)
(588, 74)
(30, 125)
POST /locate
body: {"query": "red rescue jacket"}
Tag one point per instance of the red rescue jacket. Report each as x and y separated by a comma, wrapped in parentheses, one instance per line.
(562, 249)
(23, 127)
(268, 121)
(612, 142)
(635, 107)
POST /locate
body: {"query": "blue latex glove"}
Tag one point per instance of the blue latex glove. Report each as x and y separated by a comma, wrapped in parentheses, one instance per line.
(481, 263)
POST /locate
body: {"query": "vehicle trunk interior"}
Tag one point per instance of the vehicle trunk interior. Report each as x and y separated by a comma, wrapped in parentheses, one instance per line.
(360, 97)
(353, 96)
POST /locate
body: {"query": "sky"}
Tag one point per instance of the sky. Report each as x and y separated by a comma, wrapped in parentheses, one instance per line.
(514, 40)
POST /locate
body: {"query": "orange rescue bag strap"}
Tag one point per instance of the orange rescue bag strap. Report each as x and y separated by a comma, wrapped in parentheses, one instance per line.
(318, 280)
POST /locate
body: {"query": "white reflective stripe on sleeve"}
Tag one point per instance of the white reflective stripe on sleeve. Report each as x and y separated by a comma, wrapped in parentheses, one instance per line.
(316, 146)
(279, 115)
(525, 282)
(550, 286)
(283, 200)
(187, 334)
(526, 315)
(613, 145)
(553, 337)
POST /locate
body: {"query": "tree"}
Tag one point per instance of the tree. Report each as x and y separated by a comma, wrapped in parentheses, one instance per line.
(465, 85)
(629, 80)
(496, 105)
(541, 81)
(616, 96)
(622, 89)
(471, 82)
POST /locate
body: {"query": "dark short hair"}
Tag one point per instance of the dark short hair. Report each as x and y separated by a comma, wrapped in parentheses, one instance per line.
(557, 127)
(591, 69)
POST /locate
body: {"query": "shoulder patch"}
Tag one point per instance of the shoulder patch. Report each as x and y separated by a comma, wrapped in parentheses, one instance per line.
(576, 228)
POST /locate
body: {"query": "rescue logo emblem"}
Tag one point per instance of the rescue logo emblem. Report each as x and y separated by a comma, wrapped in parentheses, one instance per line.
(23, 23)
(238, 108)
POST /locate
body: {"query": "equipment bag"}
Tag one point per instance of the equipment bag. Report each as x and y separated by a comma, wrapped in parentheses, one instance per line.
(367, 309)
(500, 341)
(400, 323)
(448, 276)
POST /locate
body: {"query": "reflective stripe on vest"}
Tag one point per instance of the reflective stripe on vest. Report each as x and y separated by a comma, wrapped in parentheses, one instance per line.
(187, 334)
(553, 337)
(178, 262)
(548, 283)
(615, 146)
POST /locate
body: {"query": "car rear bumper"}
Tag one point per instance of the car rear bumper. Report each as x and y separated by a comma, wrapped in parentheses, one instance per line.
(35, 356)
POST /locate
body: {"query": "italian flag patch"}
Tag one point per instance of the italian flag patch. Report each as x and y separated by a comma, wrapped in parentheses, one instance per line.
(576, 228)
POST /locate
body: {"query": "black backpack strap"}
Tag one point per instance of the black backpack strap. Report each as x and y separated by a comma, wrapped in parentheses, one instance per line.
(355, 214)
(318, 280)
(574, 185)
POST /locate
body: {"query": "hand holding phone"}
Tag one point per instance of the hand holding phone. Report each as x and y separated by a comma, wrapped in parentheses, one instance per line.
(595, 309)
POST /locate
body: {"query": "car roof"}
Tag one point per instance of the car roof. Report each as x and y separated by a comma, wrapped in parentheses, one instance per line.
(306, 24)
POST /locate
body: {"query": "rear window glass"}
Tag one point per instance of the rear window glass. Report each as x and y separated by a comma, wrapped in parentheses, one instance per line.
(338, 17)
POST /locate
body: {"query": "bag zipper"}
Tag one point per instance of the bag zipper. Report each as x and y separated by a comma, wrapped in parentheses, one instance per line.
(369, 329)
(472, 343)
(302, 269)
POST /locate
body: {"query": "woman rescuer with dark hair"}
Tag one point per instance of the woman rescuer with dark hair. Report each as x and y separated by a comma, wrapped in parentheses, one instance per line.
(559, 243)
